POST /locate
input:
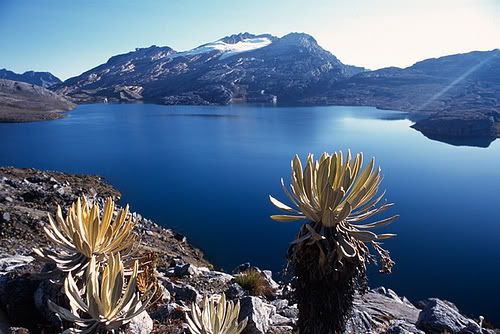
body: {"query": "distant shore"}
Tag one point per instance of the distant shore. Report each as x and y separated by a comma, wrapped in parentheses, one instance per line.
(24, 102)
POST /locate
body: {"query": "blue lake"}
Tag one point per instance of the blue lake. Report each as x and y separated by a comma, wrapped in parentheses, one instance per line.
(207, 173)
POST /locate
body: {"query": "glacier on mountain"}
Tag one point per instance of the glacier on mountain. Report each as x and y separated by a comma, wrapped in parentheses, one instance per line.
(228, 49)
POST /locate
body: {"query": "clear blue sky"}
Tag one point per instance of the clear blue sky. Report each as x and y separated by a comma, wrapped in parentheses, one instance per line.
(67, 37)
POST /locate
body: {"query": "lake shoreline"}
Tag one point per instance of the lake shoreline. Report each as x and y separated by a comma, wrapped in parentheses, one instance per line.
(452, 128)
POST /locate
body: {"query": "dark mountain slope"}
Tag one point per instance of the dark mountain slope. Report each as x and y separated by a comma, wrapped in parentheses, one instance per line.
(43, 79)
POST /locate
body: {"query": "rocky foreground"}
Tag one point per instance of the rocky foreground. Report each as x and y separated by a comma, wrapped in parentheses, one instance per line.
(27, 195)
(24, 102)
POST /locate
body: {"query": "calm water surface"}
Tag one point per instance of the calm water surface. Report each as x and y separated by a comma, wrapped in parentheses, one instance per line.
(207, 172)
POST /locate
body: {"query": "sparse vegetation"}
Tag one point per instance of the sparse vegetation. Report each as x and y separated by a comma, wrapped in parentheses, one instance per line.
(146, 278)
(255, 283)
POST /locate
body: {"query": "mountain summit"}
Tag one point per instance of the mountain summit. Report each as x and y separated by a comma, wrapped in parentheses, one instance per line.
(237, 68)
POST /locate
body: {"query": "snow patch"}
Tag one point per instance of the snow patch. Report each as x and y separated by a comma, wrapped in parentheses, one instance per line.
(228, 49)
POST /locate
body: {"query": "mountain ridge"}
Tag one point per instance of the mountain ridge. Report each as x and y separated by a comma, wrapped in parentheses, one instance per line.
(43, 79)
(285, 67)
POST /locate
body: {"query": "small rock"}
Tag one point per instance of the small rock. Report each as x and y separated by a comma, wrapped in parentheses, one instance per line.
(9, 199)
(269, 277)
(381, 290)
(165, 294)
(92, 192)
(6, 216)
(281, 330)
(279, 320)
(291, 312)
(168, 311)
(180, 292)
(244, 267)
(393, 295)
(280, 304)
(186, 269)
(402, 327)
(234, 291)
(140, 324)
(215, 275)
(64, 190)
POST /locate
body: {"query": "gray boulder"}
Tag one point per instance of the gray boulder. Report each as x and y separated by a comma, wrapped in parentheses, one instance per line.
(382, 309)
(438, 316)
(259, 315)
(184, 292)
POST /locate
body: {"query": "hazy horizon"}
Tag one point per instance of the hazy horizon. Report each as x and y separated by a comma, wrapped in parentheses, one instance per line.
(67, 39)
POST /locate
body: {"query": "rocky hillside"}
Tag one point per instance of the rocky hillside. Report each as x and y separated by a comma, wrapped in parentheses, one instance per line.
(458, 95)
(22, 102)
(237, 68)
(27, 195)
(42, 79)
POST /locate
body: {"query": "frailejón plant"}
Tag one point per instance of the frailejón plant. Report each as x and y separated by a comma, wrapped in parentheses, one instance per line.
(84, 233)
(329, 255)
(108, 301)
(216, 318)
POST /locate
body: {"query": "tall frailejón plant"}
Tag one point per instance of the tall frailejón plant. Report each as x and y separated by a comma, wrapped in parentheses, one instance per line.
(84, 233)
(330, 253)
(108, 301)
(221, 318)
